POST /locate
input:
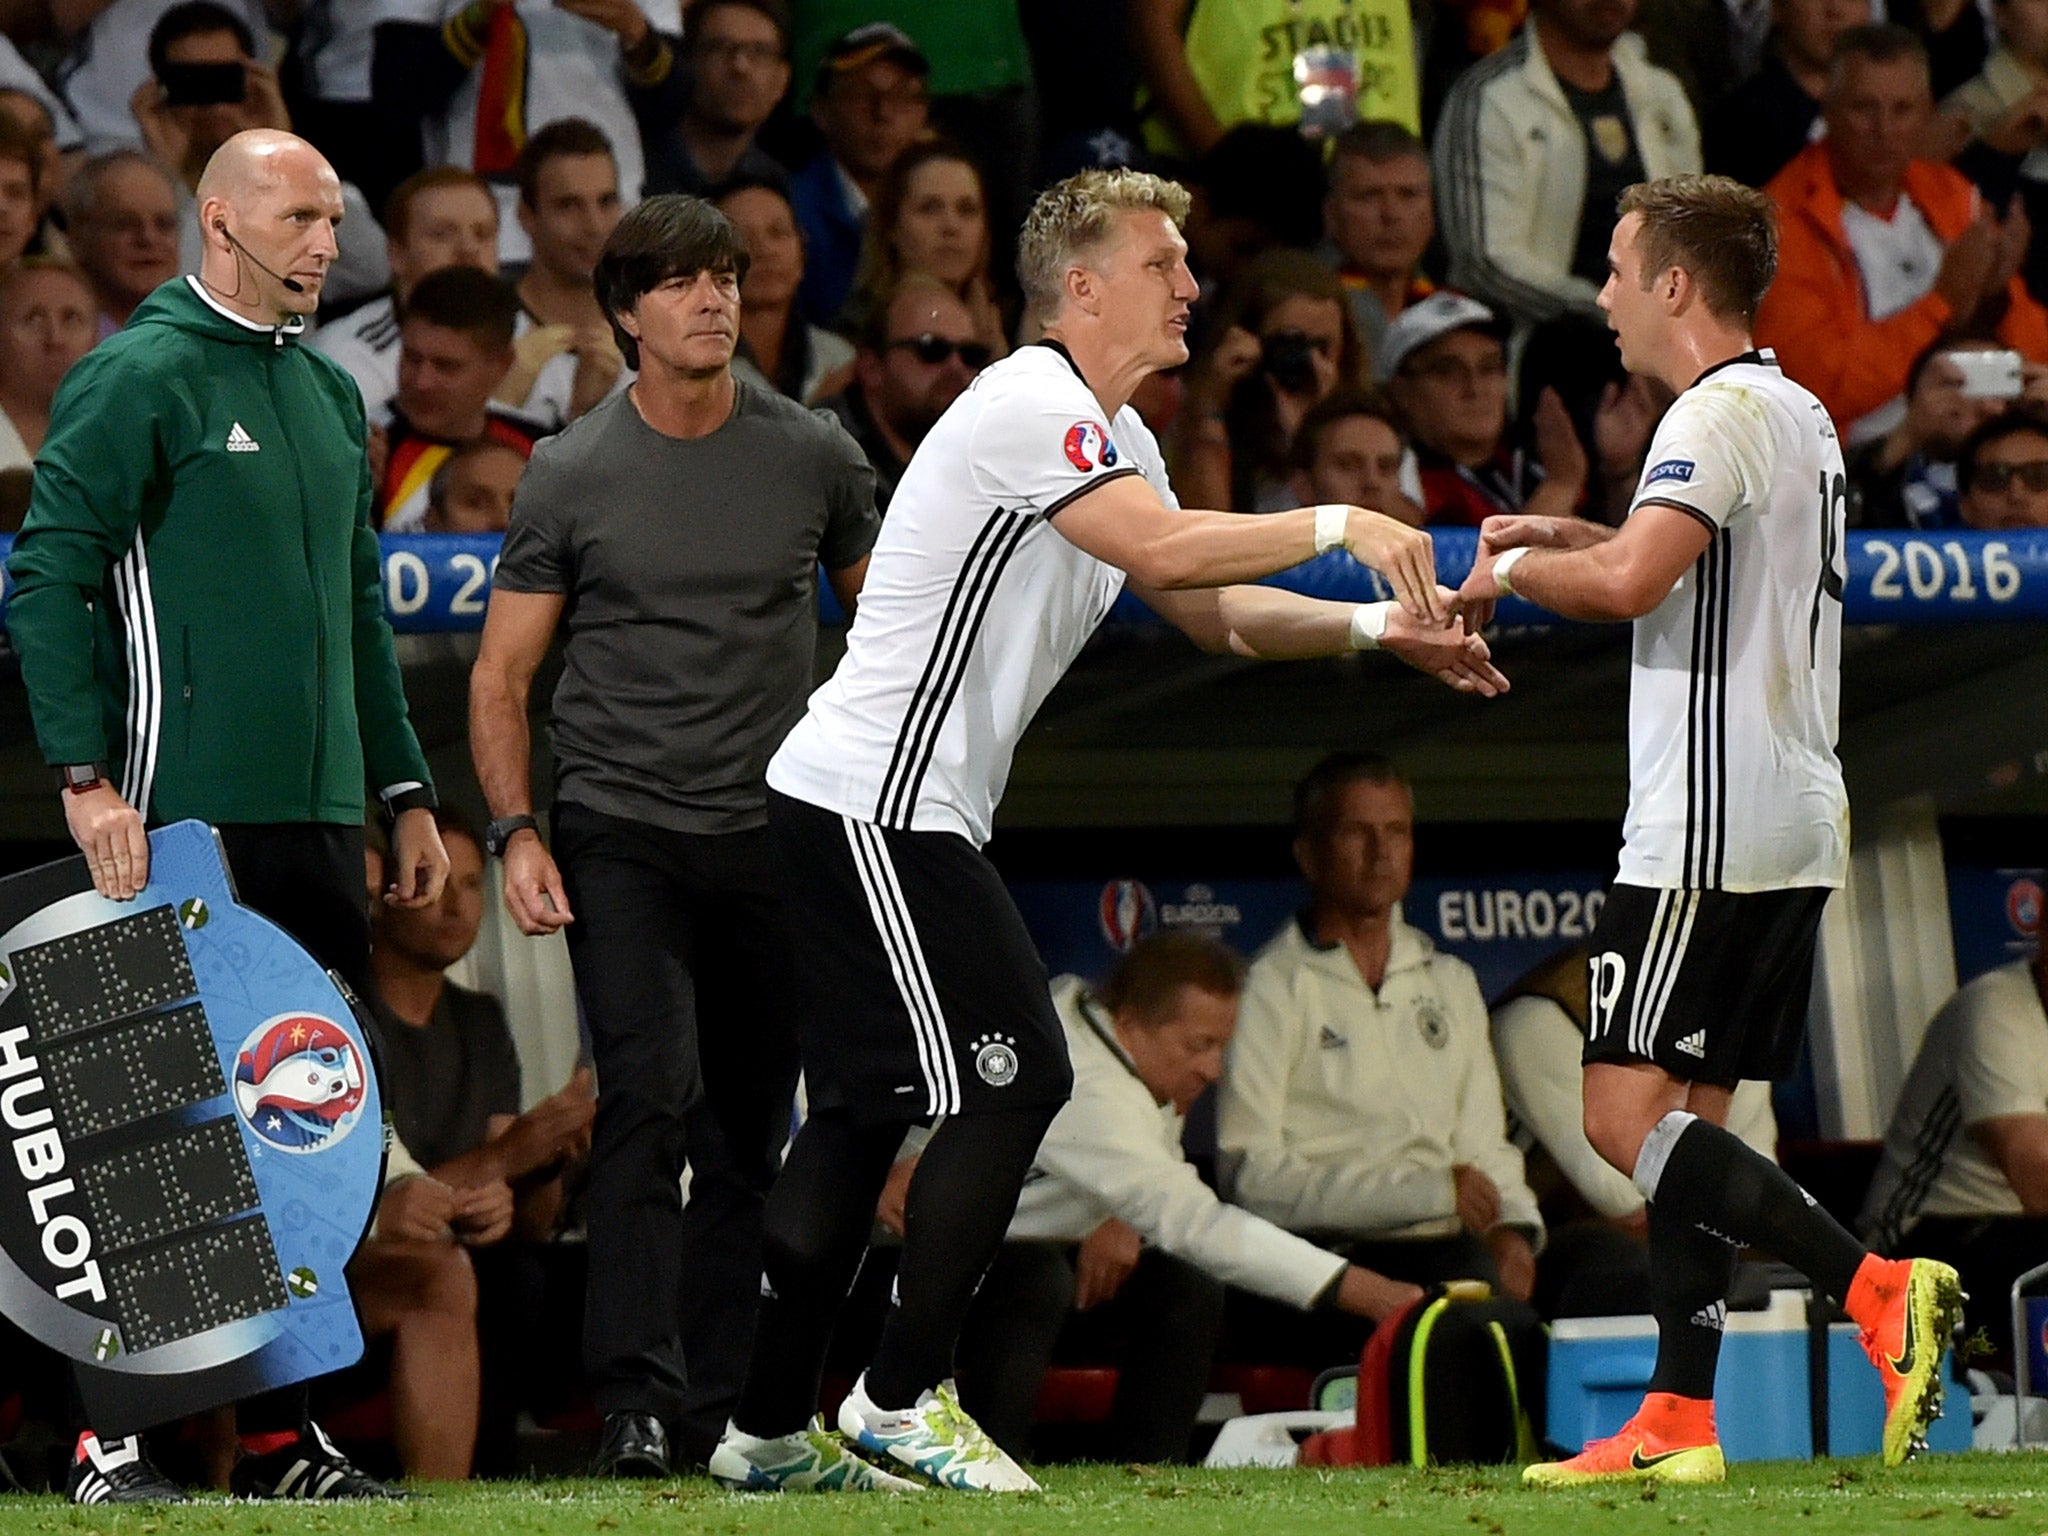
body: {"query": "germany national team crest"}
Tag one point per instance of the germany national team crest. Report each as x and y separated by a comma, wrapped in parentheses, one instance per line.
(299, 1083)
(1431, 1025)
(995, 1060)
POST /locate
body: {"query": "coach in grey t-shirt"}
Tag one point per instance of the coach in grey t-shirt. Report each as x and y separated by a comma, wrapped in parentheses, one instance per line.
(674, 534)
(689, 569)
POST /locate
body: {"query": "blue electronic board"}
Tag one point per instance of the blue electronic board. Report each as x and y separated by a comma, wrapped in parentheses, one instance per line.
(196, 1138)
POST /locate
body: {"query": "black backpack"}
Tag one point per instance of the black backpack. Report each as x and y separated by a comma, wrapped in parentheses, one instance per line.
(1455, 1377)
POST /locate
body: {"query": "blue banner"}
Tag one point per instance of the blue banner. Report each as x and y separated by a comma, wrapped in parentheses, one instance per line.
(436, 583)
(1500, 925)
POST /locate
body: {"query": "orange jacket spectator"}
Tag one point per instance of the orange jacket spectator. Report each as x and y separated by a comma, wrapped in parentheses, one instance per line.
(1814, 314)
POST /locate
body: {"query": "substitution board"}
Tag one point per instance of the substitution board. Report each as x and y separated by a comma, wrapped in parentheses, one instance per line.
(194, 1138)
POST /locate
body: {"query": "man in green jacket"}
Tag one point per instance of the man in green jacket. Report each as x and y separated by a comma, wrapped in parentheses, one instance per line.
(198, 611)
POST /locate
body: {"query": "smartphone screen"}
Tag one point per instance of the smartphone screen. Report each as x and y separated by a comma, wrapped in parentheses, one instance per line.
(203, 85)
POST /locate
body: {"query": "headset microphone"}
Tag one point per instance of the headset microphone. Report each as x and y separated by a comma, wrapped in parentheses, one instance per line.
(291, 285)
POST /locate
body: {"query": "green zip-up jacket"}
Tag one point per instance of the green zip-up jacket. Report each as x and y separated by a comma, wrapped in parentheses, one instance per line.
(198, 595)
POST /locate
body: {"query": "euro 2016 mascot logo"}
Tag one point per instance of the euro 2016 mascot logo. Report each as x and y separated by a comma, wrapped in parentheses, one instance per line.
(299, 1083)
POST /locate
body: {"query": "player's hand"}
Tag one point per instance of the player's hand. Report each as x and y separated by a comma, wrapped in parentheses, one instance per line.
(1448, 652)
(889, 1210)
(1520, 531)
(1515, 1260)
(483, 1213)
(418, 866)
(1367, 1293)
(1478, 1198)
(533, 886)
(108, 831)
(419, 1209)
(1107, 1257)
(1405, 556)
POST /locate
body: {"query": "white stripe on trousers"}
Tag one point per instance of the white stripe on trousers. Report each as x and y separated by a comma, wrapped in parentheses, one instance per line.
(891, 915)
(1677, 964)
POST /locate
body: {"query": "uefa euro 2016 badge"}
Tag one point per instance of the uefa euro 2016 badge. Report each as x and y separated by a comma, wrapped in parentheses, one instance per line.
(1087, 445)
(995, 1060)
(299, 1082)
(180, 1079)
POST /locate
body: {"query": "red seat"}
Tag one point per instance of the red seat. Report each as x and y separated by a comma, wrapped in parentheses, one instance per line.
(1265, 1388)
(1072, 1394)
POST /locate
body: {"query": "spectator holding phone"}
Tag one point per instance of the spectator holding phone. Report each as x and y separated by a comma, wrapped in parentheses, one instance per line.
(1283, 339)
(1881, 250)
(205, 86)
(1907, 478)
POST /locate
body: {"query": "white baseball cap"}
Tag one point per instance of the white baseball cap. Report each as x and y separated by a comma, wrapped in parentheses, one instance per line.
(1429, 320)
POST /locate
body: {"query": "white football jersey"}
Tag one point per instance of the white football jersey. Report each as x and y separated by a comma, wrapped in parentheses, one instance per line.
(1733, 697)
(973, 604)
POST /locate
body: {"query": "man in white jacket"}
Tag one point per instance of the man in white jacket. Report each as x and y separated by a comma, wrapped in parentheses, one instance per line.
(1115, 1224)
(1360, 1102)
(1535, 145)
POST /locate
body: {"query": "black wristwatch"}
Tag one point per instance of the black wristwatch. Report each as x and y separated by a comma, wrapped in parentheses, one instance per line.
(80, 777)
(502, 831)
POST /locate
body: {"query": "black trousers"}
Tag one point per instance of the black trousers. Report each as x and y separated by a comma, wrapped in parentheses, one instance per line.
(682, 962)
(1159, 1330)
(1990, 1253)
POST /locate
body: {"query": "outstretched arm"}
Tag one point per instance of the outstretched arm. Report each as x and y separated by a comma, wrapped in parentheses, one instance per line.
(1122, 522)
(1607, 580)
(1270, 624)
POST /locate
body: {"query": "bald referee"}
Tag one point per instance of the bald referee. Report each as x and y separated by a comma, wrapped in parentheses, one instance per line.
(199, 614)
(1013, 530)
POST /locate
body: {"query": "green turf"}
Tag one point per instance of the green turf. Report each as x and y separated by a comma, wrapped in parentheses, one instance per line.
(1843, 1498)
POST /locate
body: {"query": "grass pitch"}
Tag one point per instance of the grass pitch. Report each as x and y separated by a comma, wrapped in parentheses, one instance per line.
(1956, 1494)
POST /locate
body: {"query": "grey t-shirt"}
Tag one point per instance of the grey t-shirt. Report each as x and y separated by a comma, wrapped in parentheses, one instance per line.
(689, 566)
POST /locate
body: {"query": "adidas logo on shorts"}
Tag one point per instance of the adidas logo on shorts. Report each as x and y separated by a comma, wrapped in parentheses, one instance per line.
(1694, 1044)
(239, 441)
(1714, 1317)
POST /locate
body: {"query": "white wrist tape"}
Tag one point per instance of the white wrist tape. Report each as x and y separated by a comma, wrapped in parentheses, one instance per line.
(1333, 528)
(1505, 564)
(1368, 623)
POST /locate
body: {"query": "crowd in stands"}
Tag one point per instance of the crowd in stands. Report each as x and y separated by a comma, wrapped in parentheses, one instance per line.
(1401, 222)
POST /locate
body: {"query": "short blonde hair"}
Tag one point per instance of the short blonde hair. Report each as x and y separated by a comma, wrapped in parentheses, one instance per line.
(1074, 216)
(1724, 233)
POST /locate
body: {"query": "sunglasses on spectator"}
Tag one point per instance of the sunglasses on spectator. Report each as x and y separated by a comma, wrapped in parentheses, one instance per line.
(935, 350)
(1998, 477)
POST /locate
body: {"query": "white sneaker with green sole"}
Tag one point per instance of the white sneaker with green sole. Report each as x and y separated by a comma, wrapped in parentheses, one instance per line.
(813, 1460)
(935, 1438)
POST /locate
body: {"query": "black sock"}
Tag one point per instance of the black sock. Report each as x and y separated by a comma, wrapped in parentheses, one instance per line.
(960, 1204)
(1716, 1181)
(814, 1236)
(1690, 1272)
